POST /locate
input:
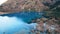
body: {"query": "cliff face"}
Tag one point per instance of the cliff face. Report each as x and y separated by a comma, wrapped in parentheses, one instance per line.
(19, 5)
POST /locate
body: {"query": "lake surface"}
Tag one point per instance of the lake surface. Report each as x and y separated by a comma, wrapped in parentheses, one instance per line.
(17, 22)
(26, 16)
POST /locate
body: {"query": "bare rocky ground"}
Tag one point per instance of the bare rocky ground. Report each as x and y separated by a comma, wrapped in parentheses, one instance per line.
(19, 5)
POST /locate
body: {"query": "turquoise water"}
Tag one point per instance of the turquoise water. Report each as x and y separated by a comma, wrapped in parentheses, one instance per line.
(9, 25)
(26, 16)
(17, 22)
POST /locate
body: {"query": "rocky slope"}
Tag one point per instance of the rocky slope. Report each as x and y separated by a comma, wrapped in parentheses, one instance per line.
(18, 5)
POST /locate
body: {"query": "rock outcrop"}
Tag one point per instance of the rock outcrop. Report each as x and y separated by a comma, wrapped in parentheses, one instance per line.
(18, 5)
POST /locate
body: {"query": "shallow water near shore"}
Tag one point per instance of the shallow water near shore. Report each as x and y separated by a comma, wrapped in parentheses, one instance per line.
(9, 25)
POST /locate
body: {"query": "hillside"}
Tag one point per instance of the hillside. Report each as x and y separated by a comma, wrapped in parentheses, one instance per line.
(19, 5)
